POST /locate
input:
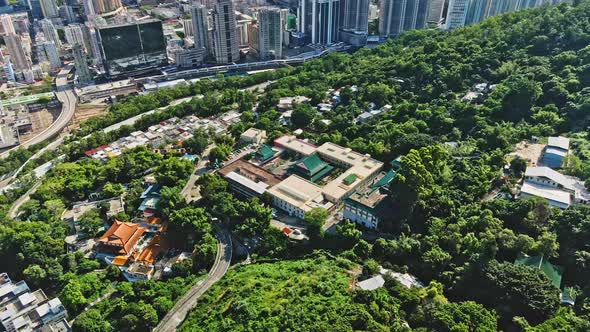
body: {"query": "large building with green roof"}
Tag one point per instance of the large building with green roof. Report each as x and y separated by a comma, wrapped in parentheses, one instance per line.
(312, 168)
(368, 205)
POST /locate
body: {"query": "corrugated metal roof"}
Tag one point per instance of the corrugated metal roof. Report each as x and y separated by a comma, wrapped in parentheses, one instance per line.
(553, 175)
(559, 142)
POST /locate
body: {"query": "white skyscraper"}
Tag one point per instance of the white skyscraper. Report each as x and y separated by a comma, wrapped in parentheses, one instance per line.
(270, 33)
(49, 8)
(17, 54)
(7, 26)
(74, 34)
(50, 32)
(225, 42)
(456, 14)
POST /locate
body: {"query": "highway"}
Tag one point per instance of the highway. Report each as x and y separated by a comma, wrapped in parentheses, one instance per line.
(68, 100)
(222, 261)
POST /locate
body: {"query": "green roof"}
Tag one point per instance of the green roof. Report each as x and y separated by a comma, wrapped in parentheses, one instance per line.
(348, 180)
(385, 180)
(397, 162)
(312, 167)
(539, 262)
(265, 152)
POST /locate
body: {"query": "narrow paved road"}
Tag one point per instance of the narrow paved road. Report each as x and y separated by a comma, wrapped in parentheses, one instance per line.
(200, 168)
(13, 211)
(222, 261)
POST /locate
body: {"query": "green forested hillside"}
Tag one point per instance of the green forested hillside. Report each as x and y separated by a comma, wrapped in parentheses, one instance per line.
(315, 294)
(538, 64)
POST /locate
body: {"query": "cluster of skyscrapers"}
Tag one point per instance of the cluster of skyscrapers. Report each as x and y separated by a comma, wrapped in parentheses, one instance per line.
(102, 35)
(466, 12)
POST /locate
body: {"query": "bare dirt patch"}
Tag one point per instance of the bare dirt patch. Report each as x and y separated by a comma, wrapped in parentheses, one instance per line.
(532, 152)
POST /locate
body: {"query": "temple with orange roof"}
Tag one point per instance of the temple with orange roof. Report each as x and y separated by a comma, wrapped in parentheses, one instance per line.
(120, 238)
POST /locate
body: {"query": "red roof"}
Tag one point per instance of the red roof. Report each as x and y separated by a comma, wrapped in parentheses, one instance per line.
(104, 146)
(121, 237)
(90, 152)
(287, 231)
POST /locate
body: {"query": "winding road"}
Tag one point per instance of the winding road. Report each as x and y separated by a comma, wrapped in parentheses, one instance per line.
(222, 261)
(68, 100)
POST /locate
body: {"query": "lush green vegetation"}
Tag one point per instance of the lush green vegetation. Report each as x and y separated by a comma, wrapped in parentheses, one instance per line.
(538, 62)
(133, 306)
(314, 294)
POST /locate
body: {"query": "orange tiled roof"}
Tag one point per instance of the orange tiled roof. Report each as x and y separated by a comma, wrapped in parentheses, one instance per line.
(122, 235)
(120, 260)
(150, 253)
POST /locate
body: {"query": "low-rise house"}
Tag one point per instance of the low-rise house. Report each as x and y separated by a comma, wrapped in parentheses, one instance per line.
(286, 103)
(151, 197)
(559, 190)
(555, 152)
(253, 136)
(24, 310)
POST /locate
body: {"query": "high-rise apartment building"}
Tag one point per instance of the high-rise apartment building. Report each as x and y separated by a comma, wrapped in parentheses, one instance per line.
(50, 32)
(270, 33)
(88, 7)
(466, 12)
(456, 14)
(200, 26)
(477, 10)
(93, 48)
(225, 42)
(81, 64)
(75, 35)
(397, 16)
(435, 11)
(187, 27)
(48, 51)
(355, 15)
(7, 25)
(49, 8)
(36, 9)
(320, 20)
(105, 6)
(17, 53)
(8, 70)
